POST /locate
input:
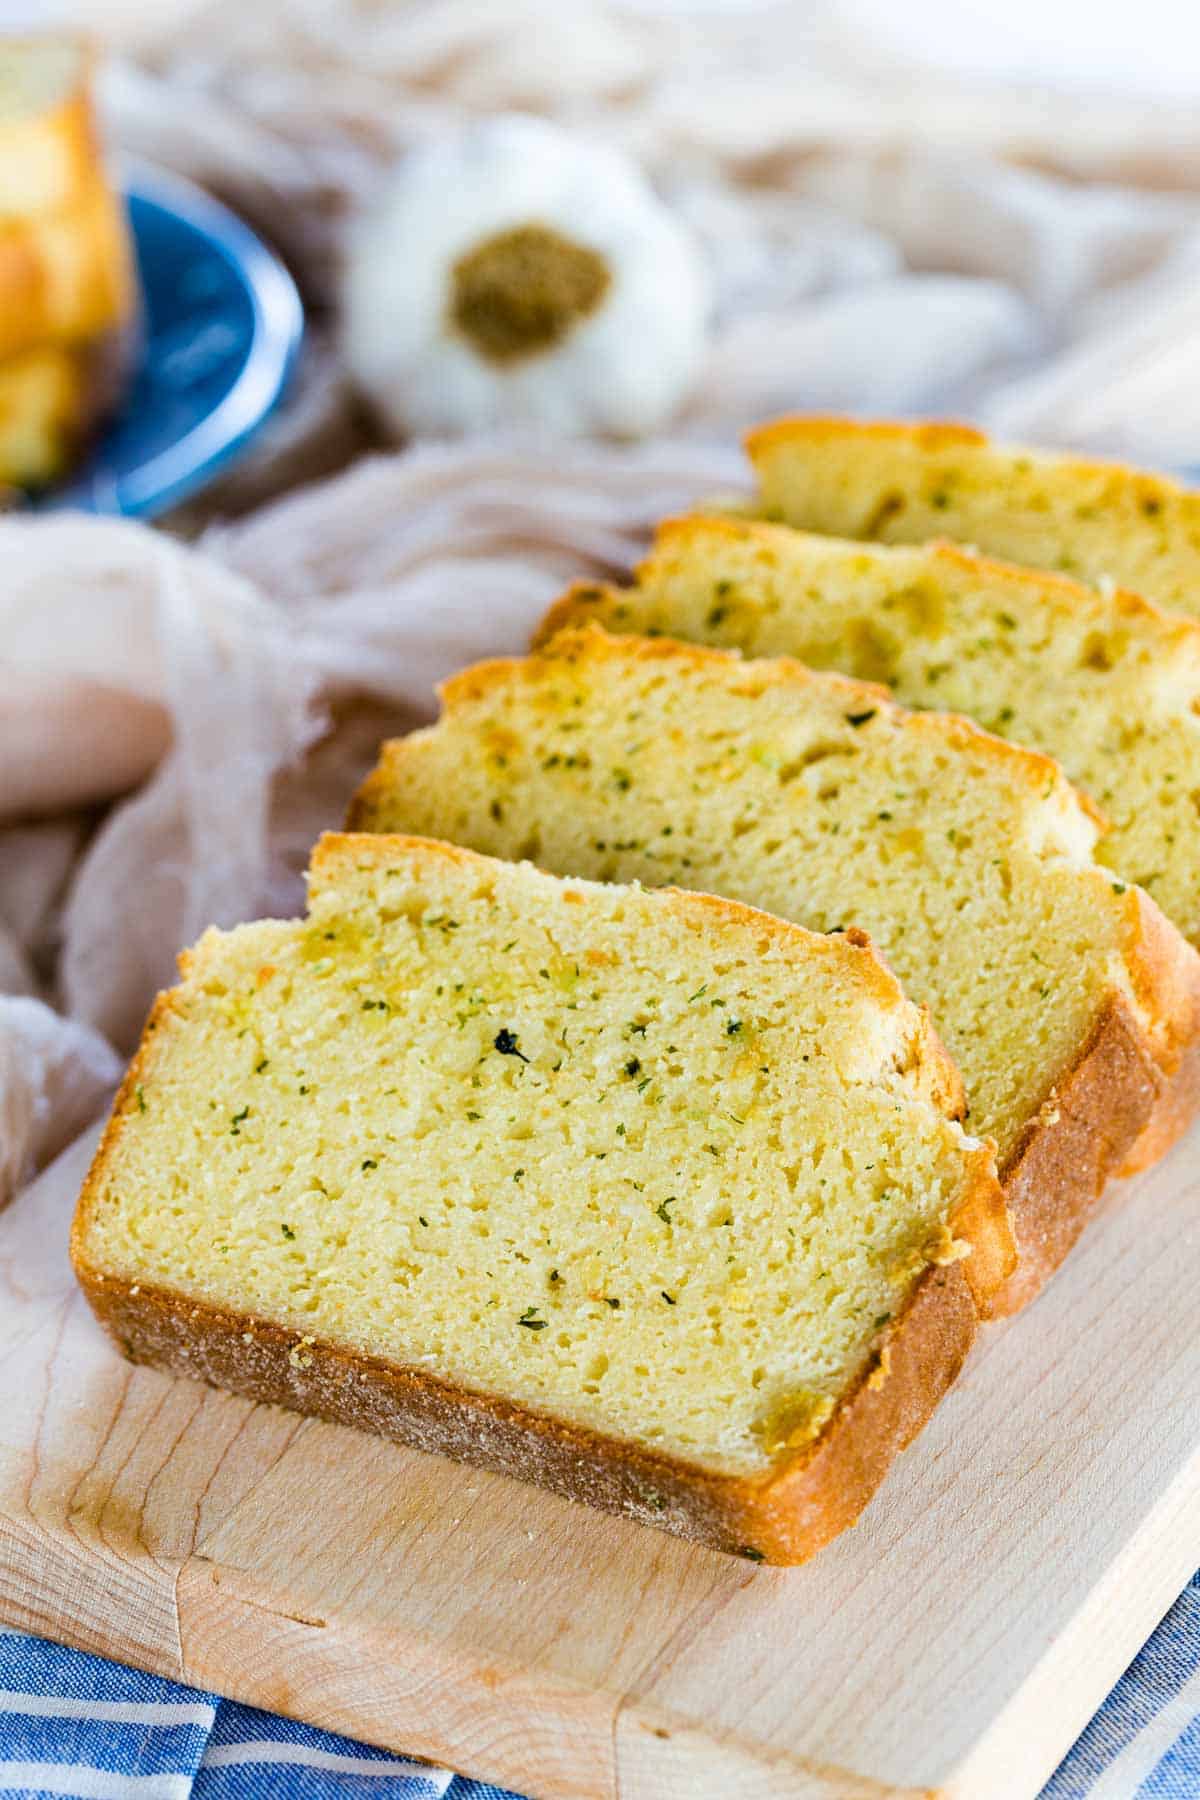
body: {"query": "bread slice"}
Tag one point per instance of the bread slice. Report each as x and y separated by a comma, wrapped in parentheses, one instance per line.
(905, 484)
(1063, 994)
(1103, 681)
(67, 291)
(644, 1196)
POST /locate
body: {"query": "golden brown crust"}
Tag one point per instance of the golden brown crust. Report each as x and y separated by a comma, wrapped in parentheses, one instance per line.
(1175, 1111)
(1081, 1136)
(1133, 1090)
(935, 435)
(1166, 974)
(782, 1517)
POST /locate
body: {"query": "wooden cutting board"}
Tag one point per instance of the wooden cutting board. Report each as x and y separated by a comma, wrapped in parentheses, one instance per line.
(954, 1643)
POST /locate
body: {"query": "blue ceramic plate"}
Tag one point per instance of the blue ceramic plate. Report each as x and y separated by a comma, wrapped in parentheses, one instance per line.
(222, 323)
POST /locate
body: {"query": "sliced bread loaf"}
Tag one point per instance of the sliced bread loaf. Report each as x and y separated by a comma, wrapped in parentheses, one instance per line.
(1063, 993)
(645, 1196)
(905, 484)
(1103, 681)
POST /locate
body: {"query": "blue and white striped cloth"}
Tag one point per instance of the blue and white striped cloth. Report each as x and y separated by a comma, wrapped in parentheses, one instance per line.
(77, 1726)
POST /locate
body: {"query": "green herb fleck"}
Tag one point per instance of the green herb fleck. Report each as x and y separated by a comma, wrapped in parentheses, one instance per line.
(861, 718)
(505, 1041)
(661, 1208)
(732, 1027)
(531, 1321)
(260, 1066)
(235, 1124)
(750, 1553)
(370, 1163)
(612, 1303)
(633, 1067)
(669, 1298)
(140, 1097)
(288, 1233)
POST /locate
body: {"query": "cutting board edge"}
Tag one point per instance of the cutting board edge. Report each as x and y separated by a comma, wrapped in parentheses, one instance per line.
(456, 1703)
(1084, 1663)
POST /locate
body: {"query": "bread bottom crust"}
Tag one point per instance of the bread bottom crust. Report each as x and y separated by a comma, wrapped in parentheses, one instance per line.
(784, 1516)
(1177, 1108)
(1083, 1134)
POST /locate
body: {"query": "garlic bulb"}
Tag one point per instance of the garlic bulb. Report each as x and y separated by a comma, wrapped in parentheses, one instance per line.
(513, 275)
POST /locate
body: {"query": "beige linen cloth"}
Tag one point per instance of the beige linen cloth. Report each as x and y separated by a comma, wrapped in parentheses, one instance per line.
(178, 719)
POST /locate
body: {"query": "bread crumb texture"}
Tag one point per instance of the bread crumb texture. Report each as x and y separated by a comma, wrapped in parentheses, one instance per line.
(905, 484)
(649, 1163)
(814, 797)
(1105, 682)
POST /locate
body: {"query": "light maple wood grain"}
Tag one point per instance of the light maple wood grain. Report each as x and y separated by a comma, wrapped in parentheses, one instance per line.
(953, 1644)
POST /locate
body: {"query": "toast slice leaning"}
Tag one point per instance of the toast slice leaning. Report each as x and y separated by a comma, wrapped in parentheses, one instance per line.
(905, 484)
(646, 1197)
(1065, 996)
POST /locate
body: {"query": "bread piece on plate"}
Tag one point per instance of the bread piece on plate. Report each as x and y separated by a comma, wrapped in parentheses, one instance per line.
(905, 484)
(67, 294)
(51, 401)
(647, 1197)
(1063, 993)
